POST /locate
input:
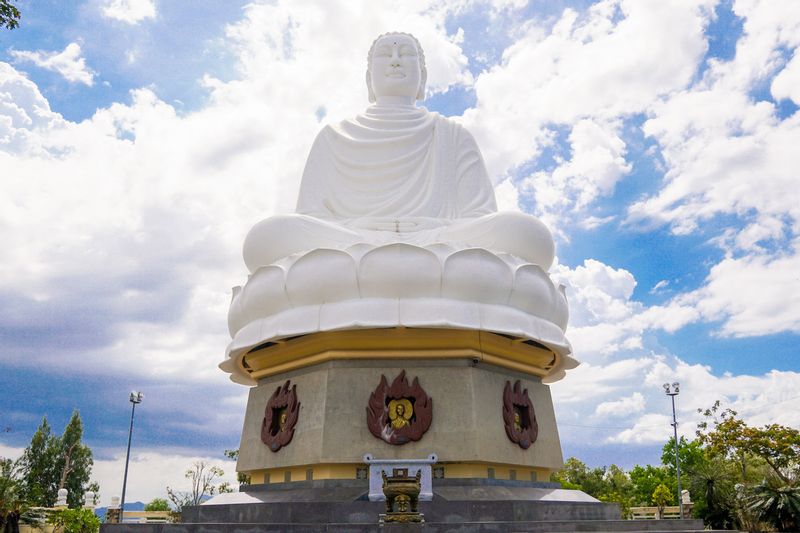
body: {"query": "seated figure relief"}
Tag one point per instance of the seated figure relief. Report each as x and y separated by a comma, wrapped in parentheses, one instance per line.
(397, 174)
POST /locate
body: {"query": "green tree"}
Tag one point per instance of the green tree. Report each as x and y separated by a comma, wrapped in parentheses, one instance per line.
(690, 453)
(610, 484)
(38, 468)
(51, 462)
(74, 461)
(645, 479)
(157, 504)
(662, 497)
(778, 446)
(9, 15)
(576, 475)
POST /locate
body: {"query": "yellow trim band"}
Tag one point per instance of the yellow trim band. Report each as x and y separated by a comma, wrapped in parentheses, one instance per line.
(349, 471)
(399, 343)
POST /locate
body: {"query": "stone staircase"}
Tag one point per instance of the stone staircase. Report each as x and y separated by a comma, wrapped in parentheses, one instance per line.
(458, 506)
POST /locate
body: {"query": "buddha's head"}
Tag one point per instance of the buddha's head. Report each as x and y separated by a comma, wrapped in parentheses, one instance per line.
(396, 67)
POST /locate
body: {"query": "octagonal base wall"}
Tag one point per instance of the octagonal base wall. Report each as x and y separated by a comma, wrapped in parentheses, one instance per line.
(467, 432)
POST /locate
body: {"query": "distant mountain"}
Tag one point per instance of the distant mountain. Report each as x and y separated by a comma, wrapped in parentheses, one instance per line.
(100, 512)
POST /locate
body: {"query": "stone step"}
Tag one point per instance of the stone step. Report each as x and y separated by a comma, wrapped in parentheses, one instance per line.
(592, 526)
(439, 510)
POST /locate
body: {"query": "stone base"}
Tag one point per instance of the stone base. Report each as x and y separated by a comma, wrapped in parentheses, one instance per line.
(467, 433)
(463, 506)
(454, 501)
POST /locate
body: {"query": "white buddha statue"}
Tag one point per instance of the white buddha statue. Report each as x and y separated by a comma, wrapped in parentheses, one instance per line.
(397, 173)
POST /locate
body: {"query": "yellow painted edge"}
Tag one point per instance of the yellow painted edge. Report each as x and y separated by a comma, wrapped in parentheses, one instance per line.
(398, 343)
(348, 471)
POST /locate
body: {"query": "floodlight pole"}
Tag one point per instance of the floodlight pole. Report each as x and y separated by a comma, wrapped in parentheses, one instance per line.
(135, 398)
(672, 392)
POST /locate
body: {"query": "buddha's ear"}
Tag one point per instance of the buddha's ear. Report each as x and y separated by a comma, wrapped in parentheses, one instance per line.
(422, 81)
(370, 92)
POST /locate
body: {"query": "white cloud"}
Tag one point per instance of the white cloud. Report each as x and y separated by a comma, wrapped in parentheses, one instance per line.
(24, 115)
(584, 68)
(130, 11)
(661, 285)
(122, 233)
(67, 63)
(596, 164)
(787, 83)
(623, 402)
(625, 406)
(604, 318)
(150, 472)
(727, 152)
(10, 452)
(752, 295)
(507, 196)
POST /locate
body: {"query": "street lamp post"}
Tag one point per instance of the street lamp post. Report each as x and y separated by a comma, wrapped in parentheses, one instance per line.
(672, 391)
(135, 398)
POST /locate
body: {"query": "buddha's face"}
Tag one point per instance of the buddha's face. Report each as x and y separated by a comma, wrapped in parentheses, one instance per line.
(400, 409)
(395, 68)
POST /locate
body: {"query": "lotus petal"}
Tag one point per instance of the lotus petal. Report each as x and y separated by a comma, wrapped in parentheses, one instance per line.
(322, 275)
(399, 271)
(477, 275)
(264, 293)
(533, 291)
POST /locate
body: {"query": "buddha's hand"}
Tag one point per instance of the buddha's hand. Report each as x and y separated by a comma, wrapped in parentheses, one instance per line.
(398, 225)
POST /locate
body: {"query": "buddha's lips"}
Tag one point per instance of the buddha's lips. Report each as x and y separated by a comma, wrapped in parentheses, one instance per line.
(395, 74)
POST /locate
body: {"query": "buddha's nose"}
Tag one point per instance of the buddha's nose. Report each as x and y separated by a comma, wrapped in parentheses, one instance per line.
(395, 62)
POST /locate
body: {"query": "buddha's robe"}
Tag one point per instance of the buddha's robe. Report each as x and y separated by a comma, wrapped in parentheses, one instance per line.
(395, 164)
(396, 174)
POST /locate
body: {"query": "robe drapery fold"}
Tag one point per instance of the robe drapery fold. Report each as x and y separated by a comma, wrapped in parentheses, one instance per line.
(395, 163)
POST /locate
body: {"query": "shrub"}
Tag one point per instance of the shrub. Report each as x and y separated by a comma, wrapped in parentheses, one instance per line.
(75, 521)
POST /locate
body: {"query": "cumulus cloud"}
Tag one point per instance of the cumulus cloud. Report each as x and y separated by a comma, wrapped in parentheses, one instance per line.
(727, 151)
(605, 319)
(68, 63)
(507, 196)
(626, 405)
(596, 164)
(752, 295)
(581, 68)
(623, 402)
(129, 11)
(122, 233)
(787, 83)
(150, 472)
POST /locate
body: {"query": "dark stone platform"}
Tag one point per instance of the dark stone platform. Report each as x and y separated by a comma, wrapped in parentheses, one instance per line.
(458, 506)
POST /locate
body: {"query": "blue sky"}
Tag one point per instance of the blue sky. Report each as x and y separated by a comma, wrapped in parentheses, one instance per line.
(138, 143)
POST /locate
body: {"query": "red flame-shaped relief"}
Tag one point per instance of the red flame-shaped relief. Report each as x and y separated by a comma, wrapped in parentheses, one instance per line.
(519, 416)
(280, 417)
(387, 413)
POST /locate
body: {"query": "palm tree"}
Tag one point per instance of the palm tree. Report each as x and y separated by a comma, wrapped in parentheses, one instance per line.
(712, 484)
(10, 503)
(776, 503)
